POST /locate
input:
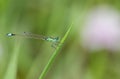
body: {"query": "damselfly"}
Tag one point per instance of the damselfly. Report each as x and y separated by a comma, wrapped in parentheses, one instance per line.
(54, 40)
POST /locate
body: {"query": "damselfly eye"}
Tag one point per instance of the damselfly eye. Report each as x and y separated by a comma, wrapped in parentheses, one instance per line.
(57, 38)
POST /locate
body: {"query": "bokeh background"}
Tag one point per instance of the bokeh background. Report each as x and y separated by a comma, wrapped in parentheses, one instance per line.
(23, 58)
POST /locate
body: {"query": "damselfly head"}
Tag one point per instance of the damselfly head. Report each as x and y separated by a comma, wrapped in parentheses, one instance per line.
(57, 38)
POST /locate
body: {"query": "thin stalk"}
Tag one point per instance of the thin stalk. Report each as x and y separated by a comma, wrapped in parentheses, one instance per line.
(55, 53)
(12, 66)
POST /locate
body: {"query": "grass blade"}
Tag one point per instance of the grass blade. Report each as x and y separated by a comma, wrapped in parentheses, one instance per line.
(55, 53)
(11, 71)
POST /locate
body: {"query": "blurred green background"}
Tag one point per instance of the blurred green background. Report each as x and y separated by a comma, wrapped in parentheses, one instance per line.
(22, 58)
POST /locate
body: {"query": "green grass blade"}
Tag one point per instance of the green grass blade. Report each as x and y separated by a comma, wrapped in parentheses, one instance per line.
(11, 71)
(55, 53)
